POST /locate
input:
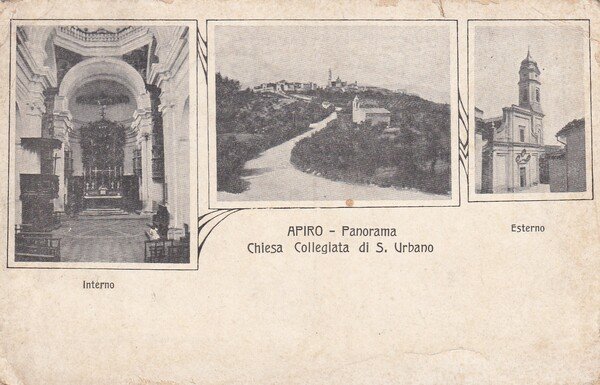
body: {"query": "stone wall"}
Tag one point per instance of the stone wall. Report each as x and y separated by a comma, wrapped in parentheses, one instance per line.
(575, 160)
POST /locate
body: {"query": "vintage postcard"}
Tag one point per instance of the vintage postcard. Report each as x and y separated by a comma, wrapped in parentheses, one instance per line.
(356, 192)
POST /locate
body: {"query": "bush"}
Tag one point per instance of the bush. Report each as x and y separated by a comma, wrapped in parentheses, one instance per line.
(232, 156)
(353, 153)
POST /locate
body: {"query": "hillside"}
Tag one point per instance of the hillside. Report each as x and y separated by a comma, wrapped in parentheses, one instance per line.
(413, 153)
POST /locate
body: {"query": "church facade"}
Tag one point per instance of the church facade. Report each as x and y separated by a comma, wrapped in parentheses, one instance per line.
(101, 123)
(509, 147)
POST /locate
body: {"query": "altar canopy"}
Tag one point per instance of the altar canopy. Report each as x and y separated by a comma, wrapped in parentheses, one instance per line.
(102, 157)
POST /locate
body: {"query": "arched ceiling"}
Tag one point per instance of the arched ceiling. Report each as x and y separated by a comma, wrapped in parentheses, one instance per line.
(106, 69)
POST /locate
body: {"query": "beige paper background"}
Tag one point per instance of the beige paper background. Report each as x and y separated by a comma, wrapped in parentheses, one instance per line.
(487, 307)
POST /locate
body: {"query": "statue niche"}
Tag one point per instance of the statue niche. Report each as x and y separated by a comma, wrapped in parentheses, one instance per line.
(102, 148)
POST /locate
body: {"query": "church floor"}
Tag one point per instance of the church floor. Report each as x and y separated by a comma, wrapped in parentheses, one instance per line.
(118, 240)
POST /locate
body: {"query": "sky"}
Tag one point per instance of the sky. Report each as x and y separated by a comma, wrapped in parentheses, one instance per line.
(414, 57)
(561, 54)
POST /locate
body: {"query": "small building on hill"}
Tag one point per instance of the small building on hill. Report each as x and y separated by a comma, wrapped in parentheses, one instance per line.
(371, 115)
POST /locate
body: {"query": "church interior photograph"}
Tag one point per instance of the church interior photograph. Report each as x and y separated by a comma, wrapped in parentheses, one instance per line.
(101, 139)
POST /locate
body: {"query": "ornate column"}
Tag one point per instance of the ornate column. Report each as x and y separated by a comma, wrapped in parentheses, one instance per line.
(62, 125)
(182, 142)
(166, 74)
(150, 191)
(177, 164)
(167, 108)
(59, 170)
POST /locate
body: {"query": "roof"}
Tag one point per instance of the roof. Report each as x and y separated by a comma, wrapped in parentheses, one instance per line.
(494, 119)
(552, 147)
(557, 153)
(554, 151)
(375, 110)
(529, 58)
(528, 62)
(574, 124)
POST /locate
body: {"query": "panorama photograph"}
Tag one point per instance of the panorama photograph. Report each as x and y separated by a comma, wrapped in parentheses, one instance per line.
(317, 112)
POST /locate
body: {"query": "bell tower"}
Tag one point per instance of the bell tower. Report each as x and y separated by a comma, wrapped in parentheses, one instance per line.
(529, 84)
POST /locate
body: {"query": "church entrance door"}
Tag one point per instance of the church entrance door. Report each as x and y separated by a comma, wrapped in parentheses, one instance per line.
(523, 176)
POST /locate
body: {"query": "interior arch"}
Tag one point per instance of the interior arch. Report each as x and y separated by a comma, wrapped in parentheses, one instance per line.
(108, 69)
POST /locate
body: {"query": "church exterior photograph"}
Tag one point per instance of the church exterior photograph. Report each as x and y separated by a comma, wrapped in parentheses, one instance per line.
(530, 103)
(299, 119)
(101, 143)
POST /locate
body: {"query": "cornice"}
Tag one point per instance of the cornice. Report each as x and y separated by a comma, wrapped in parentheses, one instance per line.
(524, 110)
(497, 143)
(137, 39)
(32, 70)
(171, 62)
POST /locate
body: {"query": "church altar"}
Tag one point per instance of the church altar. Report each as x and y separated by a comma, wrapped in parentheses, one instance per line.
(102, 149)
(102, 188)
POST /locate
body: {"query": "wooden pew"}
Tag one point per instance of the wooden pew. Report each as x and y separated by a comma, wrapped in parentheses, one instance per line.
(36, 247)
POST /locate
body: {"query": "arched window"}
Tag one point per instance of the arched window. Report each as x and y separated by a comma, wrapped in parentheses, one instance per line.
(537, 94)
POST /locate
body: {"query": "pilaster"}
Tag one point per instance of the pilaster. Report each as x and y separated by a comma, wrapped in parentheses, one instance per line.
(171, 149)
(150, 191)
(63, 126)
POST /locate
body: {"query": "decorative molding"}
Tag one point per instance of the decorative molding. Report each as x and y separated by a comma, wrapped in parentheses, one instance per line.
(523, 157)
(34, 107)
(99, 34)
(33, 65)
(64, 118)
(90, 44)
(208, 222)
(142, 122)
(463, 136)
(203, 54)
(165, 108)
(171, 61)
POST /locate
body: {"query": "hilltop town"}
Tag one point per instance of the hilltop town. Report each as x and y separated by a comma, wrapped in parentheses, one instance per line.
(333, 85)
(364, 108)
